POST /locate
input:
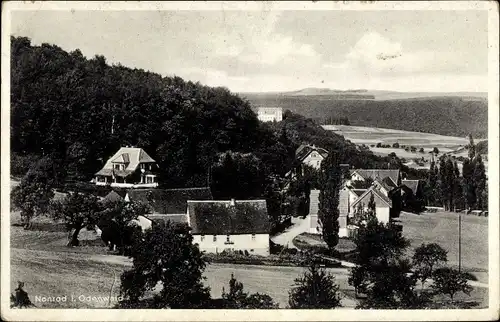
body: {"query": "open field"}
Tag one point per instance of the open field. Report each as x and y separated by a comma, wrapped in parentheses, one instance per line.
(373, 135)
(49, 270)
(442, 228)
(48, 273)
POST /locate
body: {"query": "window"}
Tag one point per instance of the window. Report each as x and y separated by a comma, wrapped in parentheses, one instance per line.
(202, 238)
(215, 238)
(142, 165)
(253, 237)
(149, 179)
(228, 239)
(117, 167)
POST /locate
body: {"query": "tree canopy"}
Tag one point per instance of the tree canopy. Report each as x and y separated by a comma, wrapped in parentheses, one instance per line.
(81, 110)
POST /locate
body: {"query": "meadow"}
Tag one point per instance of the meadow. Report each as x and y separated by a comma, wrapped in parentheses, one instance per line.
(48, 268)
(370, 136)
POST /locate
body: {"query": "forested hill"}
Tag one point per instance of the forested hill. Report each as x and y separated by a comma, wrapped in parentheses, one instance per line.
(454, 116)
(80, 111)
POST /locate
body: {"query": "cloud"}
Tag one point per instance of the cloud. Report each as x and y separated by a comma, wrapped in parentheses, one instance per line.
(376, 55)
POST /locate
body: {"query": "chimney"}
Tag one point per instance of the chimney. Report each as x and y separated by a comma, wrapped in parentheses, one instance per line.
(232, 203)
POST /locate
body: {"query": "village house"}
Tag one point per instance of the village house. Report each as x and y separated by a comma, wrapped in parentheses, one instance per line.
(357, 189)
(311, 155)
(129, 168)
(231, 225)
(168, 204)
(270, 114)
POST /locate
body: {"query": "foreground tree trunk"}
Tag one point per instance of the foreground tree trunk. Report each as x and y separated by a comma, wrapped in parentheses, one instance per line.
(73, 237)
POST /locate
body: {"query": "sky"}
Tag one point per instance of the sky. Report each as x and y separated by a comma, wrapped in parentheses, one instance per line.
(266, 51)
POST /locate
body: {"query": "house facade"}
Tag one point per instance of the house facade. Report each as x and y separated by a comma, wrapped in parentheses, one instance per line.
(316, 227)
(311, 155)
(270, 114)
(231, 225)
(383, 204)
(357, 189)
(129, 167)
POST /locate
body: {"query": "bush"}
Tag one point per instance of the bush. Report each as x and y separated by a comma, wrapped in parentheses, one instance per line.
(396, 145)
(379, 145)
(20, 164)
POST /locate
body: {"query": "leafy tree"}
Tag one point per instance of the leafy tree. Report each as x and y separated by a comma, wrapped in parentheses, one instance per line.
(435, 150)
(316, 289)
(395, 145)
(116, 223)
(239, 176)
(35, 192)
(426, 258)
(78, 210)
(469, 185)
(381, 272)
(166, 254)
(479, 177)
(421, 150)
(328, 212)
(450, 281)
(236, 298)
(371, 205)
(471, 147)
(391, 286)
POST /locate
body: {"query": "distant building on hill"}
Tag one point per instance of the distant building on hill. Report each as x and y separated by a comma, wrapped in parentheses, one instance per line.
(129, 168)
(270, 114)
(231, 225)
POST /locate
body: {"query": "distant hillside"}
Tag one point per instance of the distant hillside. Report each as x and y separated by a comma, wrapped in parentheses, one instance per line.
(332, 94)
(453, 116)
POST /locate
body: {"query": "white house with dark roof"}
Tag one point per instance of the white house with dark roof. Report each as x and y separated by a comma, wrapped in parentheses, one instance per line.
(230, 225)
(311, 155)
(383, 204)
(270, 114)
(129, 167)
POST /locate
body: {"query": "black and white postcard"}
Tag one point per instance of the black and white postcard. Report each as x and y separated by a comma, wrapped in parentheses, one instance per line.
(208, 161)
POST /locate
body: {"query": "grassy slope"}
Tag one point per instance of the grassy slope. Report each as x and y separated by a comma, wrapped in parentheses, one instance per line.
(52, 271)
(442, 228)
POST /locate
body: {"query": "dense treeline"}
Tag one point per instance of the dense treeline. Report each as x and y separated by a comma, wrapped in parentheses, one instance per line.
(441, 115)
(79, 111)
(447, 187)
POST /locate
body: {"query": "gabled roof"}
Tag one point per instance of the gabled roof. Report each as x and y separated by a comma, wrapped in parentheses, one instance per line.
(221, 218)
(373, 174)
(162, 219)
(385, 183)
(358, 192)
(169, 201)
(132, 157)
(412, 184)
(378, 196)
(304, 150)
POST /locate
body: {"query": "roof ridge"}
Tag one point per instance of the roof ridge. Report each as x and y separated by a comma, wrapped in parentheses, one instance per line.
(226, 201)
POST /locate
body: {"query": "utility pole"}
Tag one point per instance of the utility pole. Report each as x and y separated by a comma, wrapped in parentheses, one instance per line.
(459, 242)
